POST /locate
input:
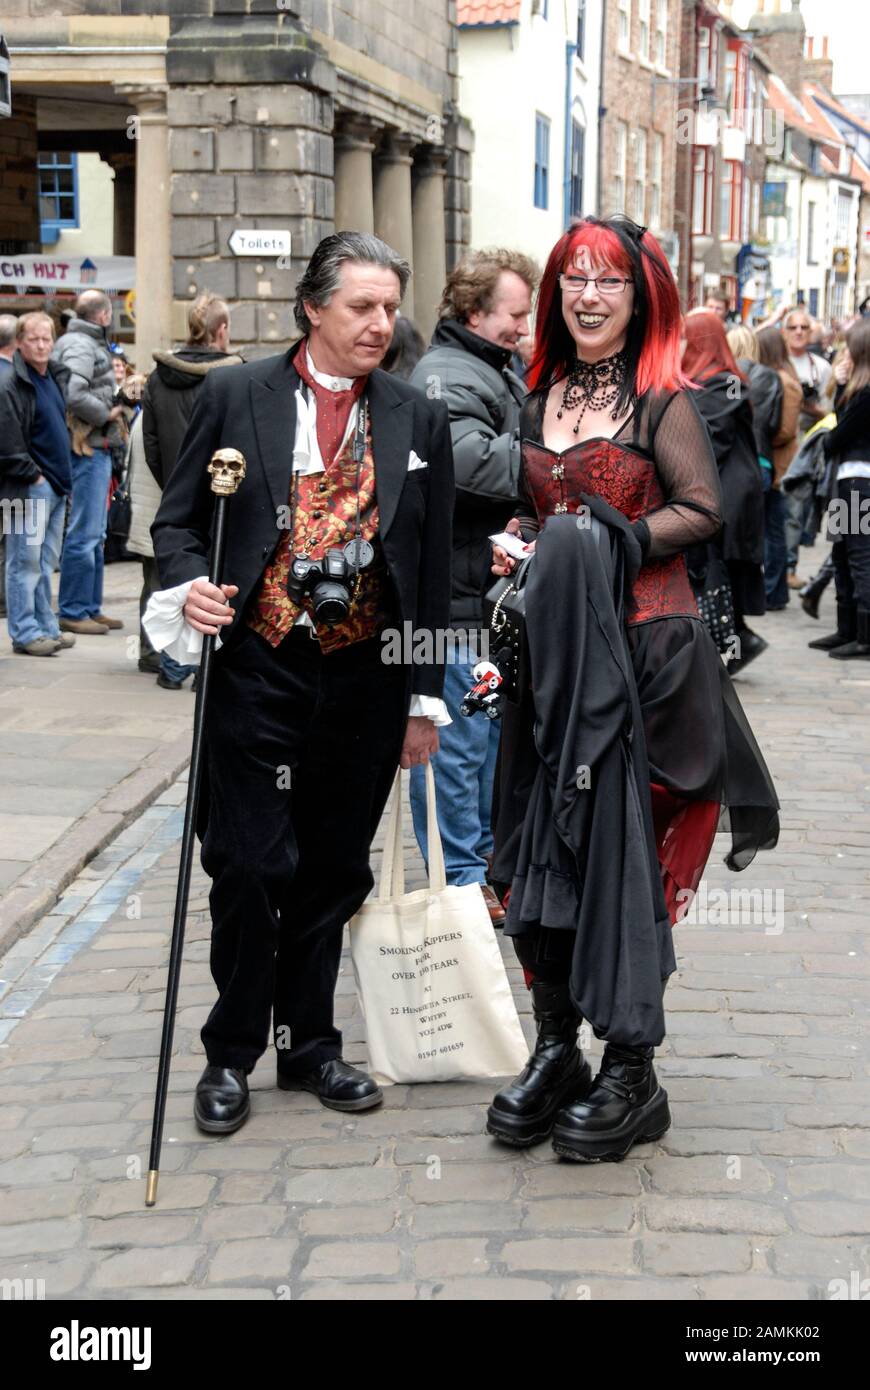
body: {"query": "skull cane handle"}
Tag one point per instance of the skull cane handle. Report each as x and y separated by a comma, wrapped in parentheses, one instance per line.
(227, 469)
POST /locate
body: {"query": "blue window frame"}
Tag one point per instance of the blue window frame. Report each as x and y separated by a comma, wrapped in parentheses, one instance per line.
(814, 302)
(58, 192)
(578, 151)
(581, 29)
(542, 161)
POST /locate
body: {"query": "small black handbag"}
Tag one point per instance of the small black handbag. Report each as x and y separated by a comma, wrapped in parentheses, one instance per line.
(505, 612)
(716, 605)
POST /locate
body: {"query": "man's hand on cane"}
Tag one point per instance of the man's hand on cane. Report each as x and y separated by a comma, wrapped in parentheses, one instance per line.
(421, 741)
(207, 608)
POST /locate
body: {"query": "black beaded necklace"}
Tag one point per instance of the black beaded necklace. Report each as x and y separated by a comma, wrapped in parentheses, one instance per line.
(593, 385)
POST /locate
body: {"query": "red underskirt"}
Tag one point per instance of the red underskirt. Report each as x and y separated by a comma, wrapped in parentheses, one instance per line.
(684, 832)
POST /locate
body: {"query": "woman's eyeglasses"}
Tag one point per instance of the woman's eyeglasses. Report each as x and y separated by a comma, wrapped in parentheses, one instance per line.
(605, 284)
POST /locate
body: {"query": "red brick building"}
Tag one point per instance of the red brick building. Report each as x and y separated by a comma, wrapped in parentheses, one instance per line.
(640, 86)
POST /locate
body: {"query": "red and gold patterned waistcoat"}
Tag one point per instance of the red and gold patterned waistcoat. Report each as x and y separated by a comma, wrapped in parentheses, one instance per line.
(324, 515)
(627, 480)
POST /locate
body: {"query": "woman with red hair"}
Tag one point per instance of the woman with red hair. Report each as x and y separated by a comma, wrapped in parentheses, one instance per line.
(722, 397)
(610, 416)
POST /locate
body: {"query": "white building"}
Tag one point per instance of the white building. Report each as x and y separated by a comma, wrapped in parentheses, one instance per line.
(812, 201)
(529, 83)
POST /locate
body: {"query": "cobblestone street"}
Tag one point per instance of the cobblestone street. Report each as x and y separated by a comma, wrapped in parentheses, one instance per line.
(761, 1189)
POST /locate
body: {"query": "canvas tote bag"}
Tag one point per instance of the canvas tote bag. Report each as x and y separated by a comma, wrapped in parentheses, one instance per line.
(431, 980)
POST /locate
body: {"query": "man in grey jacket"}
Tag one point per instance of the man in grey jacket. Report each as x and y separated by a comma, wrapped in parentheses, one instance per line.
(83, 365)
(484, 313)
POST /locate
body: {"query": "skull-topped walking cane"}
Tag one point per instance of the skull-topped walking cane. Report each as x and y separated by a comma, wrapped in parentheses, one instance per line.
(227, 469)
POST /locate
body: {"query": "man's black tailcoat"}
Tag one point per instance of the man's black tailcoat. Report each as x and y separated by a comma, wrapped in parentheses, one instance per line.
(252, 408)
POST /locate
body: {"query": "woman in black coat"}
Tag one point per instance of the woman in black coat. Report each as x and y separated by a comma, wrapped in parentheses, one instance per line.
(847, 446)
(723, 400)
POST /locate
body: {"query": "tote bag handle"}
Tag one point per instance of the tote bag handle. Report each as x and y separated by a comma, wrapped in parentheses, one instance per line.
(393, 860)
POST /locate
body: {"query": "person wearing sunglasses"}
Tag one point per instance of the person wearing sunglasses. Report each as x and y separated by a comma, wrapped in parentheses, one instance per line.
(816, 378)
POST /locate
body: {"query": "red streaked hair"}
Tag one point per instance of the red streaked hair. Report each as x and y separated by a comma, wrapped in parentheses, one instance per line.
(653, 337)
(707, 352)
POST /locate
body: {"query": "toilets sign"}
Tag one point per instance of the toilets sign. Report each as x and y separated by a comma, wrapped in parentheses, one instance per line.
(258, 242)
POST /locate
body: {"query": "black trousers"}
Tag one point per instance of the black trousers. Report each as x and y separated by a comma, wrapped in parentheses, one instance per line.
(851, 552)
(302, 750)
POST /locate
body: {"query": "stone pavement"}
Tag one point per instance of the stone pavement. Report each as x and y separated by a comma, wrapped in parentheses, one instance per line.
(761, 1189)
(86, 742)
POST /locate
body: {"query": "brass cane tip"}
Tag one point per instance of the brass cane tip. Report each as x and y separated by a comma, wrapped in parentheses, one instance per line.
(227, 469)
(151, 1187)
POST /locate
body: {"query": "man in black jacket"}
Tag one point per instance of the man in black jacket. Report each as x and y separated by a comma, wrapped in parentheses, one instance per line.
(167, 405)
(307, 719)
(484, 315)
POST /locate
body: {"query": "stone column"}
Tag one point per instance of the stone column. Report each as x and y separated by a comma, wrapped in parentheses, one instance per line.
(153, 260)
(427, 204)
(354, 145)
(392, 202)
(124, 203)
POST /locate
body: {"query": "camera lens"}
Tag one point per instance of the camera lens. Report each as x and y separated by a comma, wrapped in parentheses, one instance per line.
(331, 602)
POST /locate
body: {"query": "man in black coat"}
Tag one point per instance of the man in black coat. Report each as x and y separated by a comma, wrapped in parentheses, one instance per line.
(309, 713)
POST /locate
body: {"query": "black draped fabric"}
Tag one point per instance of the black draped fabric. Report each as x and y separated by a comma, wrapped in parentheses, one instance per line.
(577, 841)
(699, 741)
(724, 405)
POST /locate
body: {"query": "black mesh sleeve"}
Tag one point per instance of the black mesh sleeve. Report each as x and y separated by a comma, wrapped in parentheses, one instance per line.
(686, 465)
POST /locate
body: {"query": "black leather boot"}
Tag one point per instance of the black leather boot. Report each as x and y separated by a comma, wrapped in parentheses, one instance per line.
(222, 1102)
(625, 1106)
(810, 595)
(860, 648)
(847, 627)
(523, 1112)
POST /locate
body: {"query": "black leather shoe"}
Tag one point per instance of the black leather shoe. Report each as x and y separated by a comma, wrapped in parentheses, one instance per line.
(860, 648)
(337, 1085)
(811, 594)
(751, 646)
(524, 1111)
(222, 1101)
(625, 1106)
(847, 630)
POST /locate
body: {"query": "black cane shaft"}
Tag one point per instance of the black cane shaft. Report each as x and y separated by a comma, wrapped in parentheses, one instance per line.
(188, 841)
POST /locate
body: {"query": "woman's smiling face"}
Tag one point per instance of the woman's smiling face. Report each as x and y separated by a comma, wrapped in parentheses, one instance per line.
(597, 320)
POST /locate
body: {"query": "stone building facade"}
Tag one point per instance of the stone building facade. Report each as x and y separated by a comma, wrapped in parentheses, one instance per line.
(300, 115)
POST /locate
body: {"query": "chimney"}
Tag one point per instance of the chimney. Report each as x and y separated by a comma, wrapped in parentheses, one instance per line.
(780, 37)
(818, 67)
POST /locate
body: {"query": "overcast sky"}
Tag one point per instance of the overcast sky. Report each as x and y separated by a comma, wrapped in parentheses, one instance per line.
(847, 26)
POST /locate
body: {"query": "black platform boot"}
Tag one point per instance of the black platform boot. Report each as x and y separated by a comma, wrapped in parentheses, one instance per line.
(847, 627)
(625, 1106)
(523, 1112)
(810, 595)
(860, 648)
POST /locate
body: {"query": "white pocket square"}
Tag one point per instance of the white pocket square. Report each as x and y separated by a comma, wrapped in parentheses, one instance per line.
(415, 462)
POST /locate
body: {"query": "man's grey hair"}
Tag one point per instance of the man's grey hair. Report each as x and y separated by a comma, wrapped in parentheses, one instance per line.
(322, 275)
(8, 327)
(90, 303)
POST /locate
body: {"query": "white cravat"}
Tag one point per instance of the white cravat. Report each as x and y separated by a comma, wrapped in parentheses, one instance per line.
(164, 619)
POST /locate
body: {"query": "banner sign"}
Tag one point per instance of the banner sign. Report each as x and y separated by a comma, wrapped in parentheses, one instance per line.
(53, 273)
(773, 200)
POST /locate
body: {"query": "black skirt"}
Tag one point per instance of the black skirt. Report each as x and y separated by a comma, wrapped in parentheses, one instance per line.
(699, 744)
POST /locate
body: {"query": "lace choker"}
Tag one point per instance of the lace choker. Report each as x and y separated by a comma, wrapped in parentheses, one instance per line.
(593, 385)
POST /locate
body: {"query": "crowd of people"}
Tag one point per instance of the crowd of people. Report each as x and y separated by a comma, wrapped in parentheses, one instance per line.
(705, 454)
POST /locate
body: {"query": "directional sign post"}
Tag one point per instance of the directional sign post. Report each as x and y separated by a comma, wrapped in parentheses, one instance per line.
(259, 242)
